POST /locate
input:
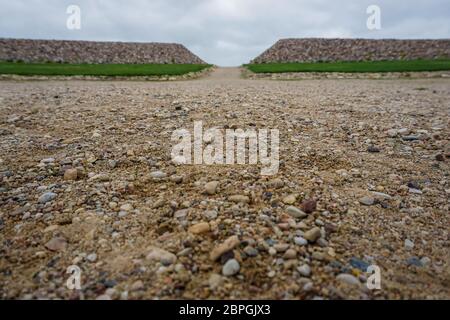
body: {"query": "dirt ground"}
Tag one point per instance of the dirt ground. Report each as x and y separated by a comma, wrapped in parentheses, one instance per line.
(87, 180)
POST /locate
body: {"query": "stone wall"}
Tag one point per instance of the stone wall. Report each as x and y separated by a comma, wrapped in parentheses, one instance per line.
(316, 50)
(94, 52)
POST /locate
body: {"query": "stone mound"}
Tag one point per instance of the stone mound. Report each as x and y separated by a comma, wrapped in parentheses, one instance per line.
(65, 51)
(329, 50)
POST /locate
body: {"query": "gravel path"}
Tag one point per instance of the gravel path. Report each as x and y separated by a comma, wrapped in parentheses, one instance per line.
(86, 179)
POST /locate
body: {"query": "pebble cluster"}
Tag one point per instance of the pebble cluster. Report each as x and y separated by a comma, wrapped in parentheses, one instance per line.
(86, 179)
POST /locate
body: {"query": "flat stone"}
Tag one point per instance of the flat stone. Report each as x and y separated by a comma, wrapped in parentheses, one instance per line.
(199, 228)
(300, 241)
(158, 175)
(367, 201)
(239, 198)
(295, 212)
(348, 279)
(47, 197)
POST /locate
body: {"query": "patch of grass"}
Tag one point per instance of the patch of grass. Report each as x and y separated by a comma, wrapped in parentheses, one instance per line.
(364, 66)
(128, 70)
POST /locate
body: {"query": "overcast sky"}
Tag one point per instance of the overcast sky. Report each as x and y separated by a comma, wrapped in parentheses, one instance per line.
(223, 32)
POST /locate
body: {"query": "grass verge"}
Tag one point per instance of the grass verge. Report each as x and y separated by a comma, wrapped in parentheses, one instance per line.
(62, 69)
(364, 66)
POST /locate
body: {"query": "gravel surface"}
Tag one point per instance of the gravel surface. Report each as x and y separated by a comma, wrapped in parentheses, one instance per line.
(86, 179)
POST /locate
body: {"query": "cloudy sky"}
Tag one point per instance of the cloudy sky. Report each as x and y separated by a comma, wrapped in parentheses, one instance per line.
(223, 32)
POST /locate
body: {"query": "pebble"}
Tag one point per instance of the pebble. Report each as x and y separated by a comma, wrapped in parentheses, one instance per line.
(239, 198)
(210, 214)
(158, 175)
(312, 235)
(367, 201)
(290, 254)
(227, 245)
(300, 241)
(161, 255)
(304, 270)
(112, 164)
(410, 138)
(290, 199)
(230, 268)
(47, 197)
(373, 149)
(295, 212)
(137, 285)
(126, 207)
(348, 279)
(56, 244)
(211, 187)
(71, 174)
(91, 257)
(409, 245)
(250, 251)
(199, 228)
(215, 281)
(359, 264)
(309, 206)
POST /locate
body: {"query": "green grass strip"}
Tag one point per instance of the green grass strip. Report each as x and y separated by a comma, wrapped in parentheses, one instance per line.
(364, 66)
(63, 69)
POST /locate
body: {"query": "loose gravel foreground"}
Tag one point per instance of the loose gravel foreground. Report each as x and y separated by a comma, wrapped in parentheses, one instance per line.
(87, 180)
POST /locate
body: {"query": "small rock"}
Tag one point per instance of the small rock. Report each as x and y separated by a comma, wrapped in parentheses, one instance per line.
(409, 245)
(210, 214)
(91, 257)
(312, 235)
(367, 201)
(230, 268)
(161, 255)
(290, 199)
(199, 228)
(250, 251)
(309, 206)
(56, 244)
(227, 245)
(300, 241)
(290, 254)
(47, 197)
(410, 138)
(239, 198)
(112, 164)
(304, 270)
(373, 149)
(126, 207)
(71, 174)
(215, 281)
(137, 285)
(158, 175)
(348, 279)
(295, 212)
(211, 187)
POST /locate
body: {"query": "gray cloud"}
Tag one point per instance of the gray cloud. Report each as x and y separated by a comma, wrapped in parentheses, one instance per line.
(224, 32)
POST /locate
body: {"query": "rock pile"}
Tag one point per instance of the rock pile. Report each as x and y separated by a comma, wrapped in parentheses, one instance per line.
(317, 50)
(94, 52)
